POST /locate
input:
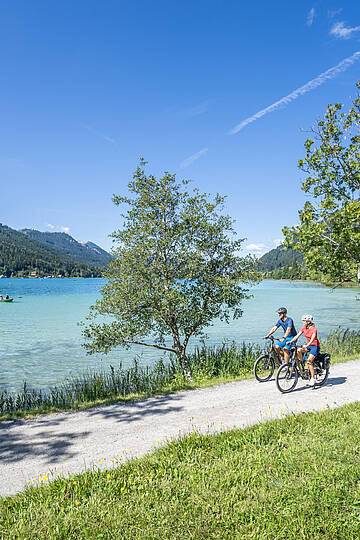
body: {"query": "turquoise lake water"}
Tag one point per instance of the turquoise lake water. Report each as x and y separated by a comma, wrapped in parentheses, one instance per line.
(41, 341)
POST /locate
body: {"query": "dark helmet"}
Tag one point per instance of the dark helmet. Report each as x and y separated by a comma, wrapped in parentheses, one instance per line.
(282, 310)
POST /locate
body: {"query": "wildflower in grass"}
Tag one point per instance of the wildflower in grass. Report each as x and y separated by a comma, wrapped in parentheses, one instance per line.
(108, 476)
(100, 462)
(77, 503)
(157, 441)
(122, 489)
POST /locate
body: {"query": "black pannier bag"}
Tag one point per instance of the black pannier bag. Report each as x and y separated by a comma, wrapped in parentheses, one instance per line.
(323, 360)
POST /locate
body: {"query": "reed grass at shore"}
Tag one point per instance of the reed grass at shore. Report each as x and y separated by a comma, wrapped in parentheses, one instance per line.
(209, 366)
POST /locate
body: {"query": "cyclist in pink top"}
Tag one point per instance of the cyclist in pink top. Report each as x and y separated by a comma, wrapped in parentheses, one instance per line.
(312, 346)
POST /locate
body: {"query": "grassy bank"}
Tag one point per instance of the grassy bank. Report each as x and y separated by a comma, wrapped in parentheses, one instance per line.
(209, 366)
(298, 477)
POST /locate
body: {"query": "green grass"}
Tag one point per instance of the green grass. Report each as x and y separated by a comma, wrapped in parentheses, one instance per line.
(209, 365)
(298, 477)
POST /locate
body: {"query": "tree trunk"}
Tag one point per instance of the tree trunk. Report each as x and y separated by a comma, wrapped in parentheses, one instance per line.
(184, 363)
(181, 354)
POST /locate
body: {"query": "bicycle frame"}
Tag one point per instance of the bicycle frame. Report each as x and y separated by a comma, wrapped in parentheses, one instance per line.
(298, 364)
(272, 351)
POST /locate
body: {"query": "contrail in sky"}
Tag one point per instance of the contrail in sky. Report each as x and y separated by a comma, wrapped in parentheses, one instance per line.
(314, 83)
(100, 134)
(188, 161)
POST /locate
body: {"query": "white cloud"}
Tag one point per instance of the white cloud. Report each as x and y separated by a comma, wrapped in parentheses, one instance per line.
(100, 134)
(310, 17)
(311, 85)
(255, 247)
(57, 228)
(188, 161)
(340, 31)
(278, 241)
(333, 12)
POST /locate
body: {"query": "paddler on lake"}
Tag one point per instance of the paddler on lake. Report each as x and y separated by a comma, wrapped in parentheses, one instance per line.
(282, 347)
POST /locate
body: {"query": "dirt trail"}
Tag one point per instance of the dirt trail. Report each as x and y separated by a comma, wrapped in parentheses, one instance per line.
(71, 442)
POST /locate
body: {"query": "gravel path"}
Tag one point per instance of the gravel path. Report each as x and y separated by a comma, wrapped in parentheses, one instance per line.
(71, 442)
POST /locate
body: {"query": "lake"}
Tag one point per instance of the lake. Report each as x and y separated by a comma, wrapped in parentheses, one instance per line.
(41, 341)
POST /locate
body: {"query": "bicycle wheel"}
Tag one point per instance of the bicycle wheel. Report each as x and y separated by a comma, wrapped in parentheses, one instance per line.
(264, 368)
(321, 375)
(286, 378)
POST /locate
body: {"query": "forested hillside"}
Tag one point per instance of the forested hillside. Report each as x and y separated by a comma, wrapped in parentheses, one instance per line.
(20, 256)
(88, 253)
(280, 263)
(280, 257)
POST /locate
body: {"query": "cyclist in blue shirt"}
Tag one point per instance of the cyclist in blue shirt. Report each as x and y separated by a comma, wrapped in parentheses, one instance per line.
(282, 347)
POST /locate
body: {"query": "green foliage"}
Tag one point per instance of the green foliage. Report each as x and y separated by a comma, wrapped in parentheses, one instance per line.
(329, 231)
(20, 255)
(175, 269)
(297, 477)
(88, 253)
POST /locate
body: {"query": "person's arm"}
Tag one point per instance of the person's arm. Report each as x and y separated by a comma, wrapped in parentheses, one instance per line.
(286, 334)
(274, 328)
(295, 337)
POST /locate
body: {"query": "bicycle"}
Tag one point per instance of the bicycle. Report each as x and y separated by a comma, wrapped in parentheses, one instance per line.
(264, 366)
(288, 374)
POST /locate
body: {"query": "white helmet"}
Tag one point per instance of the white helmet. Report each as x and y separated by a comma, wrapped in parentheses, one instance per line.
(306, 318)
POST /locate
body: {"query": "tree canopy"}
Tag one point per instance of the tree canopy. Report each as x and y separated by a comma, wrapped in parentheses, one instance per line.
(175, 269)
(328, 234)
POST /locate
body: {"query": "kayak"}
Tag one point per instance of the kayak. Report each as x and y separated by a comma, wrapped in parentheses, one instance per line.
(6, 300)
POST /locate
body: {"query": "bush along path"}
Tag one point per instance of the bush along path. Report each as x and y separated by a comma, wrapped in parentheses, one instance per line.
(39, 450)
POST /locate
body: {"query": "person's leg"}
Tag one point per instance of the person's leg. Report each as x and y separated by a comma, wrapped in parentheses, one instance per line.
(286, 355)
(279, 353)
(310, 361)
(300, 353)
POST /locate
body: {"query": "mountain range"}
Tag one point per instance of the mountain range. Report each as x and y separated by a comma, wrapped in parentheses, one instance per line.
(279, 258)
(30, 252)
(88, 253)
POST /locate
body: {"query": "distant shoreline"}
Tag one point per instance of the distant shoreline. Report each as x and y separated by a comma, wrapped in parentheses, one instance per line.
(346, 285)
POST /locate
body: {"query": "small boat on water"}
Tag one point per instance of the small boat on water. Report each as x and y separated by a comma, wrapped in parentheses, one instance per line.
(6, 299)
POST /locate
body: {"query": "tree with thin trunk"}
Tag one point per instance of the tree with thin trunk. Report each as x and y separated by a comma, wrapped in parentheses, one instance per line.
(328, 233)
(176, 267)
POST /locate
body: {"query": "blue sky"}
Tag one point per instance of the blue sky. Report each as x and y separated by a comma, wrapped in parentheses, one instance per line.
(88, 87)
